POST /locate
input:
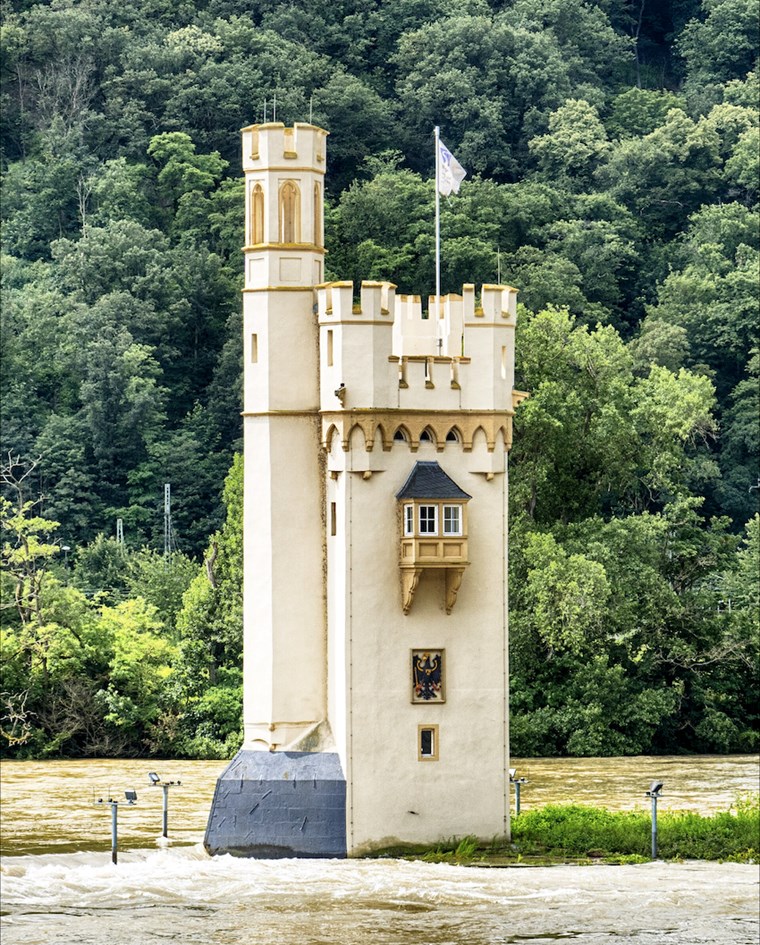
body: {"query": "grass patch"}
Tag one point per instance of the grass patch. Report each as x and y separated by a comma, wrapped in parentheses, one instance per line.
(682, 835)
(562, 834)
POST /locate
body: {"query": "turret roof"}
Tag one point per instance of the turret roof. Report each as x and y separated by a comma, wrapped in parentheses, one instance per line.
(429, 481)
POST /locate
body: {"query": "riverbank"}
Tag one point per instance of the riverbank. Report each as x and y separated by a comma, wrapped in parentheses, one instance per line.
(586, 835)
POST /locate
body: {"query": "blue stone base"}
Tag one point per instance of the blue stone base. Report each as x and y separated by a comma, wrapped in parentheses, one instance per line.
(279, 804)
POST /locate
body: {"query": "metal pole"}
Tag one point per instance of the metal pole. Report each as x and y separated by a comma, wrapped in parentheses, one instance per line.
(517, 798)
(654, 826)
(114, 831)
(437, 220)
(167, 521)
(165, 819)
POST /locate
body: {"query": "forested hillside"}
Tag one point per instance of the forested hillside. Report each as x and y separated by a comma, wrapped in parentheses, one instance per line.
(612, 155)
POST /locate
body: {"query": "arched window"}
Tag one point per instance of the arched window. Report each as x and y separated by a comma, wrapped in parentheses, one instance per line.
(257, 215)
(290, 213)
(318, 235)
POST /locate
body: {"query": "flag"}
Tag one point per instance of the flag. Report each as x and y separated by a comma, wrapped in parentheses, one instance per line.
(450, 171)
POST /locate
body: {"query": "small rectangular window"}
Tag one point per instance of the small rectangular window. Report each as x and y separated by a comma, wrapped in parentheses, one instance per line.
(329, 347)
(503, 363)
(254, 349)
(333, 519)
(408, 519)
(427, 743)
(452, 520)
(428, 520)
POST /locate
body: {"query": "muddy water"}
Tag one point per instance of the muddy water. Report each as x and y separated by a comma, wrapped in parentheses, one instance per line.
(59, 887)
(48, 807)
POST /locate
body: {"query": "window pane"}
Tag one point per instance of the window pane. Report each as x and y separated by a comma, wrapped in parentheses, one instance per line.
(408, 519)
(428, 516)
(426, 741)
(452, 520)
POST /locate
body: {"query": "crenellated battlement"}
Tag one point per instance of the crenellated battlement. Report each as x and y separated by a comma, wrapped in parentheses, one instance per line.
(275, 146)
(385, 351)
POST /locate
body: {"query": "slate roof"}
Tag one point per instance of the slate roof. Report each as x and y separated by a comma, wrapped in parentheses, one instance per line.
(429, 481)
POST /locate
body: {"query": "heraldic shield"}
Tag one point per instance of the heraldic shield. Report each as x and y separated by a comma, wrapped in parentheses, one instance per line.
(427, 676)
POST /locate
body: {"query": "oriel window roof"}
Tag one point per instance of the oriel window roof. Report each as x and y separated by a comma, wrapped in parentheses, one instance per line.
(428, 481)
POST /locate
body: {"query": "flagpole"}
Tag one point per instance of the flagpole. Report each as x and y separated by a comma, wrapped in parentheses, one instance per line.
(437, 220)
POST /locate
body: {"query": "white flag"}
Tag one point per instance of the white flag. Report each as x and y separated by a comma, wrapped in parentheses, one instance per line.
(450, 171)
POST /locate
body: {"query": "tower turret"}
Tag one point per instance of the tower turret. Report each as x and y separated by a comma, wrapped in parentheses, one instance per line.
(280, 796)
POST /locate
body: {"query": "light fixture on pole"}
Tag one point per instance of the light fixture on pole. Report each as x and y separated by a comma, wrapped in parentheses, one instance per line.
(654, 793)
(131, 798)
(156, 781)
(518, 783)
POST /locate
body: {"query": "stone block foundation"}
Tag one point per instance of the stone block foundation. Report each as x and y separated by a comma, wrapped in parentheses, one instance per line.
(279, 804)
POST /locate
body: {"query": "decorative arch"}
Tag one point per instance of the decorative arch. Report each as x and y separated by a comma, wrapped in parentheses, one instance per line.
(331, 431)
(257, 215)
(379, 435)
(428, 435)
(454, 435)
(402, 434)
(290, 212)
(357, 437)
(479, 438)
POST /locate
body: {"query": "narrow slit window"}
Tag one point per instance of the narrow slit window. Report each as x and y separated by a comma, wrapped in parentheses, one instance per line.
(333, 519)
(329, 347)
(503, 363)
(254, 348)
(318, 236)
(257, 215)
(452, 520)
(427, 743)
(428, 520)
(290, 213)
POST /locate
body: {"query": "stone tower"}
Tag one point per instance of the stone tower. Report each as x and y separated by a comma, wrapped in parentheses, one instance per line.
(375, 595)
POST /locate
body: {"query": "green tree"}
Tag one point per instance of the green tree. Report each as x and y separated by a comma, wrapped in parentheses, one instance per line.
(666, 175)
(721, 47)
(209, 686)
(575, 145)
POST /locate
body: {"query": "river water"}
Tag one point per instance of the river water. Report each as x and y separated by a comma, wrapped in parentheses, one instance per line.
(59, 886)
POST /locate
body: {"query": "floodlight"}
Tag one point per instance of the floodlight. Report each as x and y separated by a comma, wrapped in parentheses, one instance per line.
(512, 774)
(131, 796)
(656, 787)
(153, 777)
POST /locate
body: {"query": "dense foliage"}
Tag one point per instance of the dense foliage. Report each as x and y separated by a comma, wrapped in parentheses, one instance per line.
(612, 150)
